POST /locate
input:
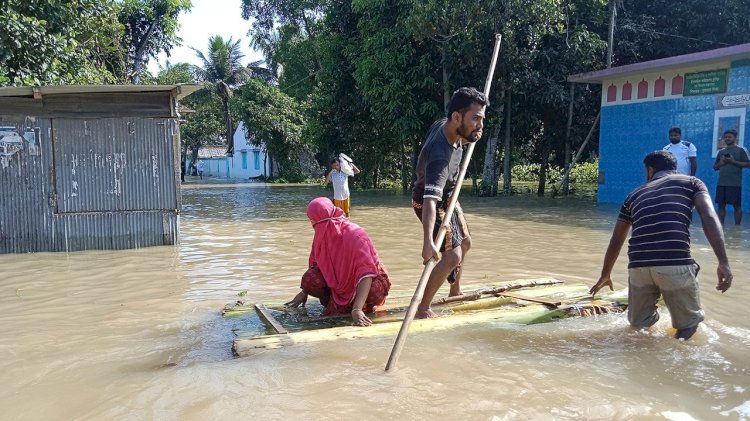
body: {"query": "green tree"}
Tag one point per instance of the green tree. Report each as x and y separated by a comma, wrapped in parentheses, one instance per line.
(653, 29)
(259, 70)
(223, 72)
(151, 27)
(376, 73)
(273, 118)
(202, 111)
(556, 47)
(268, 15)
(59, 42)
(171, 74)
(204, 122)
(397, 76)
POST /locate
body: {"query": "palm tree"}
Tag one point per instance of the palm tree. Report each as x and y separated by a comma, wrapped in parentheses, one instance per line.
(222, 72)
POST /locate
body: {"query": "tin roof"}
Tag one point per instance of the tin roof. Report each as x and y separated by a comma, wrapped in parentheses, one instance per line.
(28, 91)
(704, 57)
(212, 151)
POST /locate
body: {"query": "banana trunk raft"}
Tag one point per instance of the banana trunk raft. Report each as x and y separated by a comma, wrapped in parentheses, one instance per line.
(262, 328)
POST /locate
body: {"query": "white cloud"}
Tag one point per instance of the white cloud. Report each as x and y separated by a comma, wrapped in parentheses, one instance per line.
(207, 18)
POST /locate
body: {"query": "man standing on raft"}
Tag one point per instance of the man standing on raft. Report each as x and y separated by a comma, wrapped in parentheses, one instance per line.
(437, 172)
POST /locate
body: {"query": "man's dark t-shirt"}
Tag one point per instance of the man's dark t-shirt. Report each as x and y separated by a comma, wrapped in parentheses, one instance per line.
(438, 166)
(731, 175)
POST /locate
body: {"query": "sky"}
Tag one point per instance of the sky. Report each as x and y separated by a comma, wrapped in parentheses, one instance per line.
(207, 18)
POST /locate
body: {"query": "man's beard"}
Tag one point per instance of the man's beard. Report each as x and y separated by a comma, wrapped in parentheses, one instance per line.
(471, 136)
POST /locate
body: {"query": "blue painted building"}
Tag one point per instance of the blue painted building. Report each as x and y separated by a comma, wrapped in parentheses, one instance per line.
(702, 93)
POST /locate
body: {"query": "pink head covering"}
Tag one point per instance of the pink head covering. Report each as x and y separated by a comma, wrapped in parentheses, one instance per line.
(341, 249)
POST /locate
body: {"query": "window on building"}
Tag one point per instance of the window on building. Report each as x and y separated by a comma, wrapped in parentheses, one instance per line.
(677, 83)
(659, 87)
(244, 160)
(627, 91)
(256, 158)
(612, 93)
(642, 89)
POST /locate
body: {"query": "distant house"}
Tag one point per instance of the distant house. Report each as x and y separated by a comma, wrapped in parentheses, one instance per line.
(249, 160)
(703, 93)
(214, 160)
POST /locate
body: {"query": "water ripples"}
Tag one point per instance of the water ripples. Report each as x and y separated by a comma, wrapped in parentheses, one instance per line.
(137, 333)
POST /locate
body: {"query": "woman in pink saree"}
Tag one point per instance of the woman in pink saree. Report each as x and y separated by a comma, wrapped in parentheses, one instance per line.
(344, 271)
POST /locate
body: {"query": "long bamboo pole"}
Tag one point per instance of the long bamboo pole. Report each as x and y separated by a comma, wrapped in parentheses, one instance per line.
(417, 298)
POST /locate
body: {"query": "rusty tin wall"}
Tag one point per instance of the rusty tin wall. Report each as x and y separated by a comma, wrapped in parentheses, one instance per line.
(76, 184)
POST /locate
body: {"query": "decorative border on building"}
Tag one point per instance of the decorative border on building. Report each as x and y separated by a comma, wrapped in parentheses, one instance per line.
(647, 87)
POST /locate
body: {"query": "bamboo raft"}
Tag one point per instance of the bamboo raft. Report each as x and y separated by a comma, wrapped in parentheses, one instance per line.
(517, 302)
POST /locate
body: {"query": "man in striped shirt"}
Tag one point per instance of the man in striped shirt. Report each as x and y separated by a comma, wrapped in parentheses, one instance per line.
(659, 213)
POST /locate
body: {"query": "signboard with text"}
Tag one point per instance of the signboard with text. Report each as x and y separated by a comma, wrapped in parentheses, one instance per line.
(732, 101)
(705, 83)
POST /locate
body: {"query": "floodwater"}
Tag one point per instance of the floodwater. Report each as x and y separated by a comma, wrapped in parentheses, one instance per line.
(137, 334)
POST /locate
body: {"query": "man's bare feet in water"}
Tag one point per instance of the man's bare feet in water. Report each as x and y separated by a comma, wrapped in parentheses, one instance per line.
(425, 314)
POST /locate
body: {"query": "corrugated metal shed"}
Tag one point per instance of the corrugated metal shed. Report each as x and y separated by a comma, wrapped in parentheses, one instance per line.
(89, 167)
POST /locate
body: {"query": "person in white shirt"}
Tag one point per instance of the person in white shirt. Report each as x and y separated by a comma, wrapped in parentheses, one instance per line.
(340, 182)
(200, 168)
(684, 152)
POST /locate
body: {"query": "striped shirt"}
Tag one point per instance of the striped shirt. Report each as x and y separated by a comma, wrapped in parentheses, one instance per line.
(660, 212)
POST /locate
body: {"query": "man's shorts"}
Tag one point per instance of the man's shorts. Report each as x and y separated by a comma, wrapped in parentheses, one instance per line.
(729, 194)
(679, 287)
(458, 229)
(343, 205)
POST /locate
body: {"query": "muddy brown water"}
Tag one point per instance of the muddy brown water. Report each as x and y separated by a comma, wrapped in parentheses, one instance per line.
(136, 334)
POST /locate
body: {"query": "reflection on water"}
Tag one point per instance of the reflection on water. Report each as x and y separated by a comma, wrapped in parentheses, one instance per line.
(136, 333)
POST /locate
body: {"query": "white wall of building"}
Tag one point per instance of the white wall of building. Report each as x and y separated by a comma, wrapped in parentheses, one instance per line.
(216, 167)
(248, 160)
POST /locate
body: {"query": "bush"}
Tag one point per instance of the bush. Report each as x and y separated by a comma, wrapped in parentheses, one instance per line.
(586, 173)
(530, 172)
(582, 176)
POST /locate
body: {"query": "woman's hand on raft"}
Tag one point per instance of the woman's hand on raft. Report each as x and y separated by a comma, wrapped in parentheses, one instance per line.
(299, 299)
(360, 319)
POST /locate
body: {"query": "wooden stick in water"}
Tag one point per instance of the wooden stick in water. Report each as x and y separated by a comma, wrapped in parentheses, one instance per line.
(268, 318)
(553, 303)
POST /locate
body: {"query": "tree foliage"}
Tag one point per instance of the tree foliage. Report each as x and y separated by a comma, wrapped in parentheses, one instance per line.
(272, 117)
(150, 27)
(202, 112)
(222, 71)
(58, 42)
(83, 41)
(652, 29)
(367, 77)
